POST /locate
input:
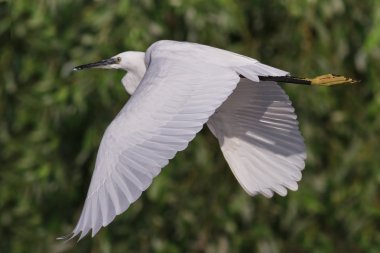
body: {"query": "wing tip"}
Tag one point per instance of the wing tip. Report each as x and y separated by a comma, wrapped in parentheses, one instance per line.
(282, 190)
(68, 237)
(65, 237)
(72, 235)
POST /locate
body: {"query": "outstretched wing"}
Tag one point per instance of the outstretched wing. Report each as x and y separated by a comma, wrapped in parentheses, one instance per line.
(258, 133)
(175, 98)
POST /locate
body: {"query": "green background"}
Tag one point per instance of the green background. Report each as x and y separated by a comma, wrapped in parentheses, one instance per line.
(52, 121)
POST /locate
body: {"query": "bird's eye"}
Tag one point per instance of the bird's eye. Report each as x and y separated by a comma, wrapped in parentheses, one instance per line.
(118, 59)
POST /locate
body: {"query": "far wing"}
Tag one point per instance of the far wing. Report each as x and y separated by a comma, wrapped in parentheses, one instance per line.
(258, 133)
(175, 98)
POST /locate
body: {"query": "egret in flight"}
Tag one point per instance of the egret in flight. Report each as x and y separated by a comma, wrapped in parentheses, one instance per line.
(176, 88)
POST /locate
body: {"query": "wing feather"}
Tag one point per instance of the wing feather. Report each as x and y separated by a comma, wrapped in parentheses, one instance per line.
(258, 133)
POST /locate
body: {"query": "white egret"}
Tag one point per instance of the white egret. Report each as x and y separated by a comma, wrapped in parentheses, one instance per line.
(176, 88)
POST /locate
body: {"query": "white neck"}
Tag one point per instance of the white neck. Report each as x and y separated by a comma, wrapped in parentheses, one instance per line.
(135, 65)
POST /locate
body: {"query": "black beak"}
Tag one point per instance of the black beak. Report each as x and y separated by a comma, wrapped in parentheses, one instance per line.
(97, 64)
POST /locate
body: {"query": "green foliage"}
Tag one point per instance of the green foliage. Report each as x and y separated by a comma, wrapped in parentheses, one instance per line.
(52, 121)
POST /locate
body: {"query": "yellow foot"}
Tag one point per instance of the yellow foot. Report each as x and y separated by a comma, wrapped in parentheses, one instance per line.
(330, 79)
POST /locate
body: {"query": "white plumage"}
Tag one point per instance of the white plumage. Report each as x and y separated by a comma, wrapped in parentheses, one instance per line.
(177, 87)
(258, 133)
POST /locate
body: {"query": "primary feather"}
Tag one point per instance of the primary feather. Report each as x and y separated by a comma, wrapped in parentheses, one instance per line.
(258, 133)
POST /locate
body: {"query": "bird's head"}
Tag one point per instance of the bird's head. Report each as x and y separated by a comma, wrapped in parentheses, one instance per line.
(126, 61)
